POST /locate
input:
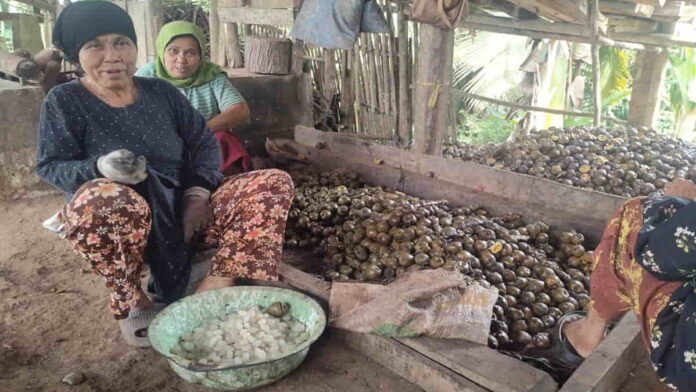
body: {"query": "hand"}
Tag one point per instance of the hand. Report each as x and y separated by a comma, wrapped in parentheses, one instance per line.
(681, 188)
(123, 166)
(198, 215)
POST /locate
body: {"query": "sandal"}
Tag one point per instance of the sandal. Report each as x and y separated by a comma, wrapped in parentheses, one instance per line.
(134, 327)
(561, 352)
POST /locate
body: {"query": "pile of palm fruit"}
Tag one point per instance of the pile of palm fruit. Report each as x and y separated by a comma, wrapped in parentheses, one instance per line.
(369, 233)
(627, 162)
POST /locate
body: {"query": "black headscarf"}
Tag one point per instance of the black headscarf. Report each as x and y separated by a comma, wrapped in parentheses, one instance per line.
(83, 21)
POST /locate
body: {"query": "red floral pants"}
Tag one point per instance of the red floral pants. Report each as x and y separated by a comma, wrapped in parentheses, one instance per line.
(109, 223)
(618, 282)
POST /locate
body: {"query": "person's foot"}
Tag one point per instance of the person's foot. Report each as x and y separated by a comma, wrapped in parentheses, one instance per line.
(583, 335)
(214, 282)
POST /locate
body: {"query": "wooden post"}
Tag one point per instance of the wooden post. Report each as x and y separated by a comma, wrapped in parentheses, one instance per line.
(404, 108)
(329, 75)
(596, 82)
(214, 26)
(432, 97)
(232, 49)
(648, 80)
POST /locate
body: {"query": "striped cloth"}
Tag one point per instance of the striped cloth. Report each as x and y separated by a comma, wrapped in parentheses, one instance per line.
(209, 99)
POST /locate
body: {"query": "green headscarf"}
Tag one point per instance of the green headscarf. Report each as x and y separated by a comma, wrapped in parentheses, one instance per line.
(206, 72)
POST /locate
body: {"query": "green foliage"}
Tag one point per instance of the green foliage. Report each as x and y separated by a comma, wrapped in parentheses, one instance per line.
(680, 74)
(488, 64)
(615, 75)
(491, 126)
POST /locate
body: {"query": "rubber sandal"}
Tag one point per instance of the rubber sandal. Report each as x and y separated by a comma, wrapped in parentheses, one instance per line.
(561, 352)
(134, 327)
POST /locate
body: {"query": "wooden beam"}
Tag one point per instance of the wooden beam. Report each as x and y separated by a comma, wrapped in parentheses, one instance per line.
(654, 3)
(555, 30)
(628, 9)
(533, 25)
(675, 11)
(258, 3)
(559, 10)
(434, 75)
(626, 24)
(41, 4)
(260, 16)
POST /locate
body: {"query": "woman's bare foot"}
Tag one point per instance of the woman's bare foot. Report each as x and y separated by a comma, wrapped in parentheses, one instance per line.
(214, 282)
(585, 334)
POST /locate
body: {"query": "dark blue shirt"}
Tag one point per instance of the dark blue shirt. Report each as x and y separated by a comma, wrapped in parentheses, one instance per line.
(76, 128)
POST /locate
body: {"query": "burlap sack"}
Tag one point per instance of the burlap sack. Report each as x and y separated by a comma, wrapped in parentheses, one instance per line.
(435, 303)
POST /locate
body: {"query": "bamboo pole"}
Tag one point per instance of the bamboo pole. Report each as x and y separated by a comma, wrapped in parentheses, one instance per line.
(596, 87)
(532, 108)
(404, 124)
(214, 26)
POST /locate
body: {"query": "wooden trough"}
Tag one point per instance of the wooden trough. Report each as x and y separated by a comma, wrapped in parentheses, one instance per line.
(439, 365)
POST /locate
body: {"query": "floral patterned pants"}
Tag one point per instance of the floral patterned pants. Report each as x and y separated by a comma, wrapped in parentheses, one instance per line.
(618, 282)
(109, 223)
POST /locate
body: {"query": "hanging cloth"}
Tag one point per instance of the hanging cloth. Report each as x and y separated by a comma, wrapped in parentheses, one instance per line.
(336, 24)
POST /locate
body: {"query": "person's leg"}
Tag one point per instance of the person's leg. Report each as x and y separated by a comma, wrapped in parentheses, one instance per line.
(108, 224)
(250, 211)
(618, 283)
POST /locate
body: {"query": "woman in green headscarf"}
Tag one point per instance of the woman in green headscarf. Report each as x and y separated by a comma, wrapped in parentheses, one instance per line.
(181, 60)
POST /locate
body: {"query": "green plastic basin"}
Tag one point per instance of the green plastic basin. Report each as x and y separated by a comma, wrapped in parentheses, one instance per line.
(191, 312)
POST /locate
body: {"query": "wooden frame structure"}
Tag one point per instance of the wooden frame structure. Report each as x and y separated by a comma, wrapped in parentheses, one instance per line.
(645, 25)
(447, 365)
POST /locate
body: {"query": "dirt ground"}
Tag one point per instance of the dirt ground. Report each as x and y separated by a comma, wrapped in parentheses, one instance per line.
(54, 320)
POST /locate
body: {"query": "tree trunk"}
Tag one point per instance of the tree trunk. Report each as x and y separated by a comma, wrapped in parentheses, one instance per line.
(267, 55)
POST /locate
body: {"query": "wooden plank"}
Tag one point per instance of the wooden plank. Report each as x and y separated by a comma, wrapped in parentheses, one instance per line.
(625, 24)
(484, 366)
(311, 284)
(623, 8)
(609, 365)
(463, 182)
(258, 3)
(560, 10)
(407, 363)
(534, 25)
(675, 11)
(256, 16)
(654, 3)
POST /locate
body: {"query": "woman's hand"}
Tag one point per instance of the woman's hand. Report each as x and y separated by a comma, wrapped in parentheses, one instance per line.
(198, 215)
(681, 188)
(123, 166)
